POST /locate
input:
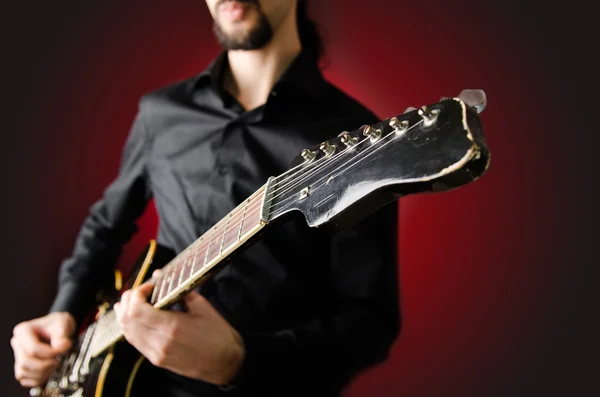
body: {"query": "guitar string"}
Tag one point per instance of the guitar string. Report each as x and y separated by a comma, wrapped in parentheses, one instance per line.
(321, 164)
(310, 172)
(377, 148)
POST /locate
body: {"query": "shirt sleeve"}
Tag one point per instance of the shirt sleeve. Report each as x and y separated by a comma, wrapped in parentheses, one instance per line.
(108, 226)
(323, 355)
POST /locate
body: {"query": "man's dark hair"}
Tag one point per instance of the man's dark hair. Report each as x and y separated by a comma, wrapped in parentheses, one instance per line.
(308, 32)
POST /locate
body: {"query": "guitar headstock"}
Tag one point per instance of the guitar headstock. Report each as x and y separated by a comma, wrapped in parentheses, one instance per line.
(434, 148)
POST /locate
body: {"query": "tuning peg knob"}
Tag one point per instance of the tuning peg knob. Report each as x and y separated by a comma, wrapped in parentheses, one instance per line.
(474, 98)
(348, 140)
(373, 133)
(308, 155)
(409, 109)
(327, 148)
(399, 126)
(429, 116)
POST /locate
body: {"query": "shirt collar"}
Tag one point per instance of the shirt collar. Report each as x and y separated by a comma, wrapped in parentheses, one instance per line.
(302, 74)
(211, 75)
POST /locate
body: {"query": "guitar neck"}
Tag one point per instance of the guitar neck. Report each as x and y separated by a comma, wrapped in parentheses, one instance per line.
(194, 264)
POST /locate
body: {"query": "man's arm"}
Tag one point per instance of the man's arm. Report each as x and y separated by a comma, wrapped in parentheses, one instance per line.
(109, 225)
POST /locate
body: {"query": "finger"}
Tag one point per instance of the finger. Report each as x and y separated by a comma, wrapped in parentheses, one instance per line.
(35, 365)
(125, 301)
(156, 275)
(29, 363)
(35, 369)
(144, 290)
(30, 382)
(145, 339)
(59, 332)
(31, 345)
(118, 310)
(141, 311)
(60, 344)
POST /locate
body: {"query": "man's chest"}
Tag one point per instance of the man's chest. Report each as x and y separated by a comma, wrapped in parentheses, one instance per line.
(204, 165)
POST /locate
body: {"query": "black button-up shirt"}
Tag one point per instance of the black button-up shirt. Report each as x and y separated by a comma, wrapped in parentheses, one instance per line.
(313, 308)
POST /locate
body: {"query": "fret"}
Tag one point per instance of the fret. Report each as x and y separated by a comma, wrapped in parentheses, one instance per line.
(230, 237)
(252, 218)
(181, 269)
(239, 237)
(171, 279)
(164, 284)
(202, 251)
(160, 285)
(185, 271)
(224, 233)
(207, 251)
(155, 290)
(177, 268)
(194, 262)
(211, 250)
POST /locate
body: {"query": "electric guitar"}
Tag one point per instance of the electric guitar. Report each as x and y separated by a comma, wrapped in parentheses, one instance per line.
(335, 184)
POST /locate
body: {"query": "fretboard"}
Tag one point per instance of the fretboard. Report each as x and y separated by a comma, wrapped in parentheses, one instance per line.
(191, 267)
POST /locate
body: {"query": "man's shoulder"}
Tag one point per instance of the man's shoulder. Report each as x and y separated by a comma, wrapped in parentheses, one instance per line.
(177, 92)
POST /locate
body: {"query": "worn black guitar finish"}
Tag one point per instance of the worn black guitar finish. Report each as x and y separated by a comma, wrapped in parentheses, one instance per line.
(334, 184)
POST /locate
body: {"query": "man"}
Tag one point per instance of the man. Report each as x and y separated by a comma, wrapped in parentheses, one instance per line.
(298, 313)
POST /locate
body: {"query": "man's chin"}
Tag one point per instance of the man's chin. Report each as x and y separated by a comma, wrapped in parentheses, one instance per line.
(252, 32)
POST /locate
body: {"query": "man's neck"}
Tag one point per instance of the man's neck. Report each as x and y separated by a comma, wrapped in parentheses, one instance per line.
(252, 74)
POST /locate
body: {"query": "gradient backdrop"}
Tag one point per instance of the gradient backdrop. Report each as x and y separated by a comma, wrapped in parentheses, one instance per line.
(496, 283)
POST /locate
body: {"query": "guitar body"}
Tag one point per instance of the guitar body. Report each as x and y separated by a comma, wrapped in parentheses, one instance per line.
(119, 371)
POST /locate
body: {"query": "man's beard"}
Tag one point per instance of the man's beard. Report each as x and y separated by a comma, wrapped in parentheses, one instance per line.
(253, 39)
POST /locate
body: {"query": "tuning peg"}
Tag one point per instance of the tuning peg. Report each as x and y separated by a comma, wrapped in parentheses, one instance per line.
(373, 133)
(429, 116)
(399, 126)
(348, 140)
(327, 148)
(474, 98)
(409, 109)
(308, 155)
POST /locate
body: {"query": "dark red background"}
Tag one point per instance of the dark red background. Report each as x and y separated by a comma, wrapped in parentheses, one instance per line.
(495, 277)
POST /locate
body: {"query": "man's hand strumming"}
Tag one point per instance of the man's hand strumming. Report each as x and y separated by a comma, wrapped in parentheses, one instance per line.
(37, 343)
